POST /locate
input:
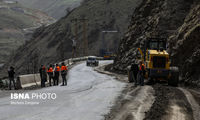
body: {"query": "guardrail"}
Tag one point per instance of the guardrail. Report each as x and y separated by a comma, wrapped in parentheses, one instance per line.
(34, 79)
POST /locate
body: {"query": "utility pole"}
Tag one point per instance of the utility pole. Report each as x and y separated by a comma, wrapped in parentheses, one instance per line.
(85, 38)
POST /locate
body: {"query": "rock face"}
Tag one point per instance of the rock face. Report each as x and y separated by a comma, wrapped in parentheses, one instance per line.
(176, 20)
(185, 46)
(54, 43)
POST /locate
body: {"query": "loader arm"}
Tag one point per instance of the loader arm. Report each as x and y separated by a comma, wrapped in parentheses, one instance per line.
(142, 55)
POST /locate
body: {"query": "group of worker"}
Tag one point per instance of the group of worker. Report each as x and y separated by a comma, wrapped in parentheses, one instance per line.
(54, 74)
(138, 73)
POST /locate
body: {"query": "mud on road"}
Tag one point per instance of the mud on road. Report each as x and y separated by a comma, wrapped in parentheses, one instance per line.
(170, 104)
(155, 102)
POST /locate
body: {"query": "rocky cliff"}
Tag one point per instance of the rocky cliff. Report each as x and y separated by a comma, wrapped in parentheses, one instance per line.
(176, 20)
(185, 46)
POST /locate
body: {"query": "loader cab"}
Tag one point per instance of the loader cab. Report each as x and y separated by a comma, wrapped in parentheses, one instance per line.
(154, 49)
(156, 44)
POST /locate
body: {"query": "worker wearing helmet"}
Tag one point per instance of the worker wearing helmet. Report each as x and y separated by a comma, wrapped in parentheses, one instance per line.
(141, 73)
(57, 74)
(64, 73)
(50, 73)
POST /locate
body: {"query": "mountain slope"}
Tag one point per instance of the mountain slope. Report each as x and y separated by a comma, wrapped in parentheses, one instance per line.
(14, 19)
(48, 42)
(177, 20)
(54, 8)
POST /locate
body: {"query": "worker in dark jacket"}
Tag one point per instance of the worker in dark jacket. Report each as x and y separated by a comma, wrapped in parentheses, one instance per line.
(44, 76)
(135, 70)
(57, 74)
(40, 71)
(141, 73)
(64, 73)
(11, 75)
(50, 73)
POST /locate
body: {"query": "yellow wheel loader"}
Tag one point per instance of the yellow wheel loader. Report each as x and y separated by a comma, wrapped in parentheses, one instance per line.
(157, 62)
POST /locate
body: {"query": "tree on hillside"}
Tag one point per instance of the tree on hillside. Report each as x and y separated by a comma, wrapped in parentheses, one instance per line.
(68, 10)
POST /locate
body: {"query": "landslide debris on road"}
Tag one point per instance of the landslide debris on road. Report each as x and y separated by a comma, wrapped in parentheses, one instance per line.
(157, 102)
(132, 104)
(163, 103)
(170, 103)
(176, 20)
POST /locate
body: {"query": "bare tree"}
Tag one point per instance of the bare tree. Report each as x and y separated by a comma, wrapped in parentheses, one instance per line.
(68, 10)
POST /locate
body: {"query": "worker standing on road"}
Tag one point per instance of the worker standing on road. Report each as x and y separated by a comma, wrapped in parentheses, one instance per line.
(50, 73)
(135, 69)
(44, 76)
(11, 75)
(40, 71)
(64, 73)
(141, 73)
(57, 74)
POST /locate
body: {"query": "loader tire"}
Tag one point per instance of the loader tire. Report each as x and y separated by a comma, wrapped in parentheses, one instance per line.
(174, 79)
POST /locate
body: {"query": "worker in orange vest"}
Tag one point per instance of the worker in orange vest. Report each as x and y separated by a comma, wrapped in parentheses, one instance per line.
(57, 74)
(142, 73)
(50, 73)
(64, 73)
